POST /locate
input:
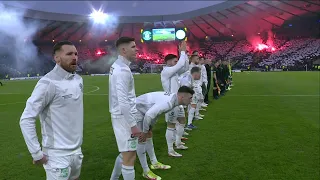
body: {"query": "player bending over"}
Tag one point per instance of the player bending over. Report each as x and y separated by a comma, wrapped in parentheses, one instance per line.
(170, 82)
(149, 107)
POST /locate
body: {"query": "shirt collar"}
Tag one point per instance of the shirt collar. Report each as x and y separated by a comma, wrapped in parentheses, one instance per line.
(63, 73)
(124, 60)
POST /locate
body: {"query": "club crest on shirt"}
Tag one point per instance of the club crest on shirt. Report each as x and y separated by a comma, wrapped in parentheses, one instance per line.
(81, 87)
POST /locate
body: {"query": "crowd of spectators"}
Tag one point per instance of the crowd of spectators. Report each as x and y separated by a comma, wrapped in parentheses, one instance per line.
(288, 53)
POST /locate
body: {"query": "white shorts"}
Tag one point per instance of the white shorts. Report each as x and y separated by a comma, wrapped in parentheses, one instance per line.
(63, 167)
(122, 132)
(173, 115)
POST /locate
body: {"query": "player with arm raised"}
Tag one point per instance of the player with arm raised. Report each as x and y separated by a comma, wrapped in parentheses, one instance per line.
(188, 80)
(58, 100)
(150, 106)
(122, 99)
(170, 82)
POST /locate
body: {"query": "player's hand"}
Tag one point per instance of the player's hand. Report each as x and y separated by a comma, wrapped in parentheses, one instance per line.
(143, 137)
(135, 131)
(183, 46)
(41, 161)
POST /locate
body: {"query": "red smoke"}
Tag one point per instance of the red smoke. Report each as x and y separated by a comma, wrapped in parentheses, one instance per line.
(261, 47)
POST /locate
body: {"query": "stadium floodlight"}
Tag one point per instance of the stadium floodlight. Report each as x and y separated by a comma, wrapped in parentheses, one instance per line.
(99, 17)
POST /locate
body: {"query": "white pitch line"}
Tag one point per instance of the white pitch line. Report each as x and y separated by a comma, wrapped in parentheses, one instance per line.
(13, 93)
(97, 89)
(12, 103)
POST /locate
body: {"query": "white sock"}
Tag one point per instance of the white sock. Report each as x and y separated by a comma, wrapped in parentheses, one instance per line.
(180, 129)
(117, 168)
(141, 152)
(150, 150)
(128, 172)
(191, 115)
(197, 109)
(170, 138)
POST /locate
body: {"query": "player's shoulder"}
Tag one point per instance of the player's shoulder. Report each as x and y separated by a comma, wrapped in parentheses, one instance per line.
(78, 77)
(48, 78)
(118, 66)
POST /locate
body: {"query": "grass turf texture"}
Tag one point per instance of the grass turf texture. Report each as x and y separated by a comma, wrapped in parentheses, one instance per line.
(261, 136)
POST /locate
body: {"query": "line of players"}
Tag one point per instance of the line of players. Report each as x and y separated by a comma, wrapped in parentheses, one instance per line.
(58, 100)
(184, 83)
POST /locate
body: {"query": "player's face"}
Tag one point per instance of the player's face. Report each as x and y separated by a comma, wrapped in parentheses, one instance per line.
(196, 75)
(67, 58)
(195, 60)
(186, 99)
(130, 51)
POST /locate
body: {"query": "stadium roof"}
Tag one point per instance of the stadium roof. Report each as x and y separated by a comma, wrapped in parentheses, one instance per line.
(221, 19)
(121, 8)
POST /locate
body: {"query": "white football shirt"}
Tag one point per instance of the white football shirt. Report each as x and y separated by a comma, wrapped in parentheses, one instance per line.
(122, 96)
(58, 100)
(151, 105)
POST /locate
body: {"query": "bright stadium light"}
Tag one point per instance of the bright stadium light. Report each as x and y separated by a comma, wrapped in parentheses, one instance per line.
(180, 34)
(99, 17)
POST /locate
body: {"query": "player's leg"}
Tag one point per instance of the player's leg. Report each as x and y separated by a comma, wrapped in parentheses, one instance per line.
(116, 172)
(180, 128)
(76, 164)
(141, 152)
(204, 90)
(171, 120)
(191, 112)
(206, 98)
(198, 116)
(127, 146)
(1, 83)
(215, 91)
(179, 134)
(127, 168)
(155, 164)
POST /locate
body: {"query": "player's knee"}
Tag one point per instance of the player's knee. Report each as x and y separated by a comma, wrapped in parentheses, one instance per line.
(129, 158)
(171, 125)
(182, 120)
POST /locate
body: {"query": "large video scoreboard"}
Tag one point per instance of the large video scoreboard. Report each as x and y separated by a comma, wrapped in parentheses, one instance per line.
(164, 34)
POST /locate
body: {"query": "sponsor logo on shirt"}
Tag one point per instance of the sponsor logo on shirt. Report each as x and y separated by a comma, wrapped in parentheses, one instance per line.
(67, 96)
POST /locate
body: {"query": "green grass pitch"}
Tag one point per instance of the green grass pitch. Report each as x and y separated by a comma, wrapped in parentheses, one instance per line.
(266, 127)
